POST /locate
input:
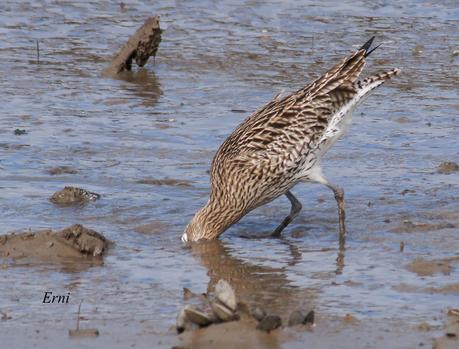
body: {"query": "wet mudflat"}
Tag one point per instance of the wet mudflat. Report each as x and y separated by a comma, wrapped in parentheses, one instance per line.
(145, 141)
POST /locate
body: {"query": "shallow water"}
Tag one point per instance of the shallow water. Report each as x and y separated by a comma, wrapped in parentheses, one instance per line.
(216, 64)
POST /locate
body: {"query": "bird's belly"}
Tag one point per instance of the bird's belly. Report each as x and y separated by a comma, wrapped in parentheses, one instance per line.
(335, 131)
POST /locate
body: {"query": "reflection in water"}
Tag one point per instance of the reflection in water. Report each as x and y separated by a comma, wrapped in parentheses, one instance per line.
(259, 285)
(143, 84)
(72, 266)
(340, 257)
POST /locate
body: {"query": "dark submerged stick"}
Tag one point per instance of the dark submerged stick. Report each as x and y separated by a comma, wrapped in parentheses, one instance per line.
(77, 333)
(38, 53)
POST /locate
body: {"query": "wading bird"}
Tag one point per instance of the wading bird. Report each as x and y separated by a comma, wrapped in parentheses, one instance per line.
(282, 144)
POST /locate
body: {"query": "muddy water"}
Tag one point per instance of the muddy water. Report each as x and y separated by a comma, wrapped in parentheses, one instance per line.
(145, 141)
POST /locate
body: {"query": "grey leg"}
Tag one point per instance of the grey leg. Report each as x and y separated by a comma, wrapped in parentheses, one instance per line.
(317, 176)
(339, 196)
(296, 208)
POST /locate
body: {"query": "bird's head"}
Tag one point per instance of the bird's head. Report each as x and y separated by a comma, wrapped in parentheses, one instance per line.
(210, 221)
(194, 231)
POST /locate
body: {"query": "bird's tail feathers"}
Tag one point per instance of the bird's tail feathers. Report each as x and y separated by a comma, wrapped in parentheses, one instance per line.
(368, 84)
(366, 46)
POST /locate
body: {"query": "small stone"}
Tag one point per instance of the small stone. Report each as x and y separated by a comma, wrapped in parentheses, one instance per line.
(19, 132)
(73, 195)
(309, 318)
(269, 323)
(225, 294)
(197, 316)
(181, 321)
(296, 318)
(448, 167)
(455, 53)
(222, 312)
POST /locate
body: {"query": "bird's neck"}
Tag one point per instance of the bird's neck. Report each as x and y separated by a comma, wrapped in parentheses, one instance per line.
(214, 218)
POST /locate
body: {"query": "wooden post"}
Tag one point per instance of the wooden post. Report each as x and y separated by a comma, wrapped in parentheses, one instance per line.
(140, 46)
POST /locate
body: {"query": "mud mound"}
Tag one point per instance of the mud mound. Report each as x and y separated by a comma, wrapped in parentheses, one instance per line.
(72, 196)
(74, 242)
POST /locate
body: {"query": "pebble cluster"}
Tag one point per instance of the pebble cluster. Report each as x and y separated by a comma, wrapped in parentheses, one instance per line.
(224, 307)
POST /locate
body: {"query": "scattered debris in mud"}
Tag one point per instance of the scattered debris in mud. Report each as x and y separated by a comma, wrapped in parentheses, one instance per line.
(301, 317)
(73, 195)
(448, 167)
(19, 132)
(140, 46)
(221, 309)
(74, 242)
(224, 308)
(62, 170)
(166, 181)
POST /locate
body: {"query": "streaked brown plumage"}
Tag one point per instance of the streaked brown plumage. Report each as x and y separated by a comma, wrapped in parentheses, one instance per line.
(280, 145)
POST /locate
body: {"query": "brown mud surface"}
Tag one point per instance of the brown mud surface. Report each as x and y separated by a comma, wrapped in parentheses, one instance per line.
(328, 333)
(235, 334)
(74, 242)
(62, 170)
(424, 267)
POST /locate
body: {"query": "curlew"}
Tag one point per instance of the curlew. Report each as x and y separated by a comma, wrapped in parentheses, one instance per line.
(282, 144)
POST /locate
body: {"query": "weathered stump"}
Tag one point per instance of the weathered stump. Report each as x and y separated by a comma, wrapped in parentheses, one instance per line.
(140, 46)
